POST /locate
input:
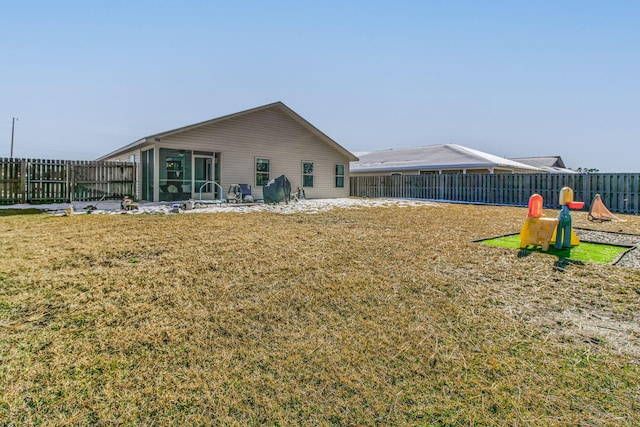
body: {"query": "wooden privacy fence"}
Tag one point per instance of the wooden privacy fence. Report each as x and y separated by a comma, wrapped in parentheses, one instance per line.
(619, 191)
(50, 181)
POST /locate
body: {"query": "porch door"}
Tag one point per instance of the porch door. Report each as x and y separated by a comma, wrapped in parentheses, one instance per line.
(203, 173)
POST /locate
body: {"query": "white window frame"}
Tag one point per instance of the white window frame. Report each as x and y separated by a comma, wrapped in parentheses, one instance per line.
(268, 172)
(306, 174)
(335, 182)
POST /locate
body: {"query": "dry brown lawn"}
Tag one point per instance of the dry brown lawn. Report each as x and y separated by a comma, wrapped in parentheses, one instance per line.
(364, 316)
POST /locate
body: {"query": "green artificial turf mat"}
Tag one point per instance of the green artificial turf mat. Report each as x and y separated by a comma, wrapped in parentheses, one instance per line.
(591, 252)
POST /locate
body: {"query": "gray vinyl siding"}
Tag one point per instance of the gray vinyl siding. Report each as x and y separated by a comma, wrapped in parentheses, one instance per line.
(269, 134)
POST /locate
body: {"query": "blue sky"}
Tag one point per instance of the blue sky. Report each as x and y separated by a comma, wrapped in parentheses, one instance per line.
(513, 78)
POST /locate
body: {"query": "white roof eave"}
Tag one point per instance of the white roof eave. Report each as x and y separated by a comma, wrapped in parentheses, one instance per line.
(311, 128)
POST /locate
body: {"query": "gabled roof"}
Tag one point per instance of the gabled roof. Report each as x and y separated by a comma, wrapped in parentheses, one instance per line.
(276, 105)
(548, 163)
(430, 157)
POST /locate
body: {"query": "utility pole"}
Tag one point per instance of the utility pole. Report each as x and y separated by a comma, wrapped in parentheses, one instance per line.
(13, 126)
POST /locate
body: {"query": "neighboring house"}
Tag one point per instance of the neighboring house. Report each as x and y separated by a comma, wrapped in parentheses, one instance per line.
(250, 147)
(444, 158)
(551, 164)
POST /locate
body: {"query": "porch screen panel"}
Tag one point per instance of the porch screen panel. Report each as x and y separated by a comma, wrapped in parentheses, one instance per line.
(146, 164)
(175, 174)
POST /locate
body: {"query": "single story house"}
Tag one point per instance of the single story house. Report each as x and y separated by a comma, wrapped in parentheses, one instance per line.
(252, 147)
(551, 164)
(435, 159)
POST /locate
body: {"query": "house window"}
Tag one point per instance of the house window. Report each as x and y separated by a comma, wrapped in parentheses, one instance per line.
(340, 176)
(262, 171)
(307, 174)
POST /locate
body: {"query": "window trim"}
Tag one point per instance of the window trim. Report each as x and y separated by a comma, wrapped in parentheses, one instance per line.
(256, 171)
(336, 175)
(304, 175)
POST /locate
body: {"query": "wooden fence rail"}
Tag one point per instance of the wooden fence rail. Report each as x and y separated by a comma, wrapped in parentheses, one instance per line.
(619, 191)
(50, 181)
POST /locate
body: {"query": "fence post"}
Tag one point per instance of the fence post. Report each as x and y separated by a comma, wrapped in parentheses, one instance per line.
(24, 180)
(69, 194)
(41, 180)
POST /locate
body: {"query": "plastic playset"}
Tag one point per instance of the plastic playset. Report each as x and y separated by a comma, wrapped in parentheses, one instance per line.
(539, 230)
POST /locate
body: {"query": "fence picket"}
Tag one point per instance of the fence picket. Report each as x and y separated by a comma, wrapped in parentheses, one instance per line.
(620, 192)
(48, 181)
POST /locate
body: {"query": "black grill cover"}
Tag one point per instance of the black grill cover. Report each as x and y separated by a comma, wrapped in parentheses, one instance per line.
(277, 190)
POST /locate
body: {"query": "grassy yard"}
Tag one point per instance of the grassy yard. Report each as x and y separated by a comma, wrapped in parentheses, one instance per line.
(364, 316)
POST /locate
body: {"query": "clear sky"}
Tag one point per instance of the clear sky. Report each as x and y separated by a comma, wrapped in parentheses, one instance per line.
(514, 78)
